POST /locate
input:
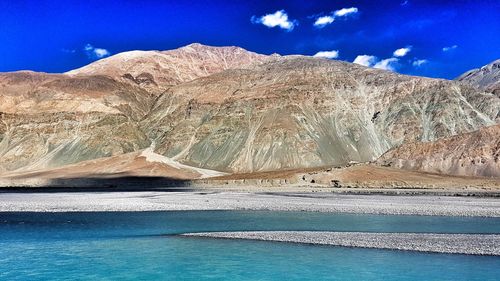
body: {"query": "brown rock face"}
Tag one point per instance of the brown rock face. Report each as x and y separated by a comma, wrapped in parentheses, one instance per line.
(472, 154)
(101, 110)
(228, 109)
(53, 120)
(306, 112)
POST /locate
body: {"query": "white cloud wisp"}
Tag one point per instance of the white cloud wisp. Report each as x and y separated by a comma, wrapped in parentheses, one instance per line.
(345, 12)
(278, 19)
(95, 53)
(323, 21)
(365, 60)
(449, 48)
(419, 63)
(327, 54)
(401, 52)
(387, 64)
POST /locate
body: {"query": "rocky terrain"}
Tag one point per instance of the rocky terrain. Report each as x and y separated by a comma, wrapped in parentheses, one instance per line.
(472, 154)
(53, 120)
(486, 77)
(234, 111)
(475, 154)
(156, 71)
(306, 112)
(357, 179)
(50, 120)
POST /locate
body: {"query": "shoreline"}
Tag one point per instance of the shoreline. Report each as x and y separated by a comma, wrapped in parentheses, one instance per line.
(467, 244)
(389, 191)
(210, 199)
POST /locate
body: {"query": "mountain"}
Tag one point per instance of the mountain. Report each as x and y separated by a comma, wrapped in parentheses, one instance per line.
(486, 77)
(156, 71)
(228, 109)
(305, 112)
(50, 120)
(472, 154)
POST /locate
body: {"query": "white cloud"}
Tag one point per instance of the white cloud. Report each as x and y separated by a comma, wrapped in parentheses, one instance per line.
(327, 54)
(404, 3)
(387, 64)
(345, 12)
(326, 20)
(101, 52)
(402, 51)
(365, 60)
(88, 47)
(322, 21)
(373, 61)
(446, 49)
(278, 19)
(95, 53)
(418, 63)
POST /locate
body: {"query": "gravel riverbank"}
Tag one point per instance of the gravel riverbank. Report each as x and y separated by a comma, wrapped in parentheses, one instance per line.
(470, 244)
(279, 201)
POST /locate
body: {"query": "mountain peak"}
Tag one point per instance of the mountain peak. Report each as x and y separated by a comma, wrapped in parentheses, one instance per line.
(203, 50)
(199, 46)
(487, 77)
(159, 70)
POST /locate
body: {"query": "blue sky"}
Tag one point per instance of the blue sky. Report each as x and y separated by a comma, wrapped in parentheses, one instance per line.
(433, 38)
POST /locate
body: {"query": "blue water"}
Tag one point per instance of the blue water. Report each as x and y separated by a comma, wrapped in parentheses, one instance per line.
(136, 246)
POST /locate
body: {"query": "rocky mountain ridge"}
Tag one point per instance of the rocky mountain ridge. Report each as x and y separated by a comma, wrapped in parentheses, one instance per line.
(472, 154)
(486, 77)
(317, 112)
(156, 71)
(227, 109)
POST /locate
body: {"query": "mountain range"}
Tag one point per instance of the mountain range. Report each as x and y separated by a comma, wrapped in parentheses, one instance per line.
(201, 111)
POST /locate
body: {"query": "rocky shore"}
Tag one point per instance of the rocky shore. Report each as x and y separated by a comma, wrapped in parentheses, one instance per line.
(470, 244)
(175, 199)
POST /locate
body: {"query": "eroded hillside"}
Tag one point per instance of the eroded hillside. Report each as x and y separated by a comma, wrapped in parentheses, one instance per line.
(228, 109)
(472, 154)
(305, 112)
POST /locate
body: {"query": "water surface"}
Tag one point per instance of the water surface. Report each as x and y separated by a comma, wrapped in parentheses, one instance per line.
(135, 246)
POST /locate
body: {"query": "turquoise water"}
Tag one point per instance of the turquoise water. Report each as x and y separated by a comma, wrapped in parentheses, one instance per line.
(136, 246)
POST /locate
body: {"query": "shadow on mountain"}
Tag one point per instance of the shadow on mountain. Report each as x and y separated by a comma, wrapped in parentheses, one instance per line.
(108, 184)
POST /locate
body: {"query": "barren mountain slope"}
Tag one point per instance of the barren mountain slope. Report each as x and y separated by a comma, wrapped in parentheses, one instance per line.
(51, 120)
(264, 113)
(472, 154)
(119, 169)
(486, 77)
(158, 70)
(305, 112)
